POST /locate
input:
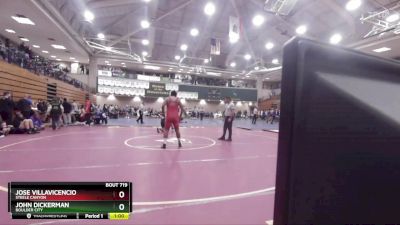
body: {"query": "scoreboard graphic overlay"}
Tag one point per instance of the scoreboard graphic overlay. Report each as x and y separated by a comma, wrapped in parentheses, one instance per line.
(70, 200)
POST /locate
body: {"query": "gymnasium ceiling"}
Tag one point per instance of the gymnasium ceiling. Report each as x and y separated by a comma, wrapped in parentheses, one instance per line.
(171, 22)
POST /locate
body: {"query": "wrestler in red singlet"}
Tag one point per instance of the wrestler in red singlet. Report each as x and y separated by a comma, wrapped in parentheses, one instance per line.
(174, 114)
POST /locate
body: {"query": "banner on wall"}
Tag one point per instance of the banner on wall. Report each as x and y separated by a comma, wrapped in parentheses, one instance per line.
(148, 78)
(157, 90)
(214, 94)
(105, 73)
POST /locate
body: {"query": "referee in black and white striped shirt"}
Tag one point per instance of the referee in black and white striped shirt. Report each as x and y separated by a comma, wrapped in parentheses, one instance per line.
(229, 114)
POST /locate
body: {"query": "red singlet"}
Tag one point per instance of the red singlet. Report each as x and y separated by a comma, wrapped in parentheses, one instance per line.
(172, 104)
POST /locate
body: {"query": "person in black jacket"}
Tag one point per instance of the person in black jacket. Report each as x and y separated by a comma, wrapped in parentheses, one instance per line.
(6, 107)
(55, 111)
(25, 106)
(67, 112)
(140, 118)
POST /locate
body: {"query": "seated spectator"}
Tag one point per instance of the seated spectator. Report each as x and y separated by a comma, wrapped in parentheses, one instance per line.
(37, 121)
(4, 129)
(22, 125)
(24, 105)
(42, 109)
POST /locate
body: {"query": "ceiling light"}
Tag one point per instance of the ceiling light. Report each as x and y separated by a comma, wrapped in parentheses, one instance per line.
(44, 51)
(256, 68)
(194, 32)
(144, 53)
(123, 63)
(383, 49)
(101, 36)
(160, 100)
(209, 9)
(106, 62)
(275, 61)
(336, 39)
(53, 56)
(247, 57)
(145, 42)
(393, 18)
(233, 39)
(145, 24)
(269, 45)
(149, 67)
(267, 78)
(233, 64)
(108, 48)
(353, 5)
(58, 59)
(23, 20)
(302, 29)
(258, 20)
(206, 60)
(23, 39)
(71, 58)
(76, 61)
(177, 57)
(10, 31)
(184, 47)
(146, 0)
(89, 16)
(36, 46)
(58, 47)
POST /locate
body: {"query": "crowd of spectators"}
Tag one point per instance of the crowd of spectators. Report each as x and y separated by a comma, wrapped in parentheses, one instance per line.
(24, 57)
(28, 117)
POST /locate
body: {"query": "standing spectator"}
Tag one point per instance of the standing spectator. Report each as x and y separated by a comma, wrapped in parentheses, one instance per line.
(6, 107)
(55, 110)
(272, 115)
(88, 111)
(82, 69)
(202, 114)
(67, 112)
(140, 118)
(255, 115)
(75, 111)
(229, 114)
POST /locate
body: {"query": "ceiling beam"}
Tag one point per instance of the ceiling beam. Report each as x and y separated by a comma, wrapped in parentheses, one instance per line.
(54, 15)
(110, 3)
(204, 38)
(246, 38)
(119, 19)
(170, 12)
(342, 13)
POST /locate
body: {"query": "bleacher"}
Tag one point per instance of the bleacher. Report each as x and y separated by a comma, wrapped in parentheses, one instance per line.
(20, 82)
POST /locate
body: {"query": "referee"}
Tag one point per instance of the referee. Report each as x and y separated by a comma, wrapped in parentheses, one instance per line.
(229, 114)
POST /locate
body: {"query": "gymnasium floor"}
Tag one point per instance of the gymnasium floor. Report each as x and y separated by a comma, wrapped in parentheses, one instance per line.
(206, 182)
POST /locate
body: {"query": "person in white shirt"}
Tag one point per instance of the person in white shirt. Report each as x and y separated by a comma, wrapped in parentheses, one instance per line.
(255, 115)
(229, 114)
